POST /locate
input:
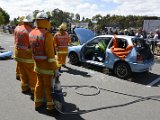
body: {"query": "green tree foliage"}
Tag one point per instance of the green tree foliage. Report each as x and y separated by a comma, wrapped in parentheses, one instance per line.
(122, 22)
(58, 16)
(4, 17)
(1, 18)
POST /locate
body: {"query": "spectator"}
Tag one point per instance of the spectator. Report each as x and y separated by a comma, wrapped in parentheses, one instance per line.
(150, 40)
(156, 38)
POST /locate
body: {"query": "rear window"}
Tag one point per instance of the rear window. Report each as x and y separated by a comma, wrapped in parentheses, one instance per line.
(142, 48)
(138, 42)
(121, 43)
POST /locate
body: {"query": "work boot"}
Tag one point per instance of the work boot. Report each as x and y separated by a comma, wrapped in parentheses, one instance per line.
(52, 110)
(64, 65)
(26, 92)
(17, 77)
(50, 107)
(40, 106)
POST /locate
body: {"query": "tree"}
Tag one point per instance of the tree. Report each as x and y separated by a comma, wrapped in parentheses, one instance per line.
(1, 18)
(35, 13)
(4, 17)
(77, 17)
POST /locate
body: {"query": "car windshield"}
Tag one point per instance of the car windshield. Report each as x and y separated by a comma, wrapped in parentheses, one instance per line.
(83, 34)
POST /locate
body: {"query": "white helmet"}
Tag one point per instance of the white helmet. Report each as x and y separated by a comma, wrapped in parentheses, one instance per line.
(28, 18)
(42, 15)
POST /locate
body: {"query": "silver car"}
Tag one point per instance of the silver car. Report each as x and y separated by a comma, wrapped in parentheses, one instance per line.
(131, 54)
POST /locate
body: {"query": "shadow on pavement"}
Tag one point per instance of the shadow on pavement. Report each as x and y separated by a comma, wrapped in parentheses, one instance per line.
(139, 99)
(144, 78)
(75, 72)
(67, 113)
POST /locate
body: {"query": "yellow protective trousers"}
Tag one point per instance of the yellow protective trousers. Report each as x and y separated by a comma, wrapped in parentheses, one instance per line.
(17, 71)
(61, 58)
(27, 75)
(43, 86)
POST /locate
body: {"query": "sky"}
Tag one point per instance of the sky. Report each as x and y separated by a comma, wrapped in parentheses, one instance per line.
(86, 8)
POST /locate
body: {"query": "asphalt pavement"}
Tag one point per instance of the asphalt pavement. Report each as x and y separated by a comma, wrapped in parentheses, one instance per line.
(91, 94)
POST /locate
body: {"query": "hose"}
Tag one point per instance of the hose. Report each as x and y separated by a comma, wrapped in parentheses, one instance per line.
(140, 98)
(95, 87)
(76, 88)
(85, 86)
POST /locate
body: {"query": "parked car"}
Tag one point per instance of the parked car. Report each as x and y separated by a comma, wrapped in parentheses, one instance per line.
(120, 54)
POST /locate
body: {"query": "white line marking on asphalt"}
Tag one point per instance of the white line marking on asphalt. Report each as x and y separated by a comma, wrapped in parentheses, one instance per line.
(153, 82)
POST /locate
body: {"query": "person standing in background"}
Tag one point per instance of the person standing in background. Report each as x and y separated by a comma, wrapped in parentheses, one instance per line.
(23, 55)
(61, 42)
(20, 19)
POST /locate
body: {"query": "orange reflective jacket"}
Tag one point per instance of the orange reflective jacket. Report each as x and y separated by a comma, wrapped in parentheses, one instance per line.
(37, 42)
(21, 37)
(61, 41)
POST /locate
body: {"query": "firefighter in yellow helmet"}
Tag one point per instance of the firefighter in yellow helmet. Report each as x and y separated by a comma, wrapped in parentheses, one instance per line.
(23, 55)
(19, 20)
(61, 42)
(41, 42)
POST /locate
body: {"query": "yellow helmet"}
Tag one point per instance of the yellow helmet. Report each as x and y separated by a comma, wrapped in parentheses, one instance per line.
(63, 26)
(20, 19)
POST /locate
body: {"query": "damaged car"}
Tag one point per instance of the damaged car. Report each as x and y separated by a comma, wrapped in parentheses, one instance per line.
(119, 53)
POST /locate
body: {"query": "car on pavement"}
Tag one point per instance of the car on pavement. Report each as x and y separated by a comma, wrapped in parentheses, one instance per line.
(119, 53)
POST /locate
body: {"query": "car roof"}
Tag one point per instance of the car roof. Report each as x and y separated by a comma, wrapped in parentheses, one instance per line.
(118, 36)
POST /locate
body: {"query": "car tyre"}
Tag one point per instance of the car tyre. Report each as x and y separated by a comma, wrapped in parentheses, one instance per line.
(122, 70)
(73, 59)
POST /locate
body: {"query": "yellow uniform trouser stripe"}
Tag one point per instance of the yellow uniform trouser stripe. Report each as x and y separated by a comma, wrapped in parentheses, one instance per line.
(38, 100)
(51, 60)
(62, 52)
(24, 85)
(50, 103)
(59, 65)
(24, 60)
(43, 71)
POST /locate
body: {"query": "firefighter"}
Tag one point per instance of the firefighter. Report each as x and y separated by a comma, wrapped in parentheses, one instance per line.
(41, 41)
(61, 42)
(23, 55)
(20, 19)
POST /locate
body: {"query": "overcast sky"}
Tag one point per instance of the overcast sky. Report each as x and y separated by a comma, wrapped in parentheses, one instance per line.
(86, 8)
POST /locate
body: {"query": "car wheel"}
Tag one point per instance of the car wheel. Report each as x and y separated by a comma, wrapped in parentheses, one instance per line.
(73, 59)
(122, 70)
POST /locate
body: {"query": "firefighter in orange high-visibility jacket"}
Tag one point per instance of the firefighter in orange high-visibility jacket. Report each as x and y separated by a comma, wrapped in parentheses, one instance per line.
(41, 41)
(20, 22)
(61, 42)
(23, 55)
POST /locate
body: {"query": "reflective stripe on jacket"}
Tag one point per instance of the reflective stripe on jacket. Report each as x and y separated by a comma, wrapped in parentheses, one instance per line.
(37, 42)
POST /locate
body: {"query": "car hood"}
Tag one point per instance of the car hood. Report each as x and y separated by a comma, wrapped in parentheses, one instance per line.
(83, 34)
